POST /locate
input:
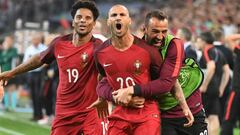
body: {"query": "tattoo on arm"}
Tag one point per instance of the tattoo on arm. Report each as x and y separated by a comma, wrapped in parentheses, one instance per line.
(33, 63)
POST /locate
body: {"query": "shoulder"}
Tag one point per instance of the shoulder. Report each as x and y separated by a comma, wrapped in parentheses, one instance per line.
(97, 41)
(60, 39)
(175, 47)
(142, 44)
(176, 42)
(67, 37)
(102, 45)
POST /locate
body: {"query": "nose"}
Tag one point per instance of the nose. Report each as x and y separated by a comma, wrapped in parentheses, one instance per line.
(160, 36)
(82, 20)
(118, 17)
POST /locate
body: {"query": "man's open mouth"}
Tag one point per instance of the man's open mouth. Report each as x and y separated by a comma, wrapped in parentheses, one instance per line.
(118, 26)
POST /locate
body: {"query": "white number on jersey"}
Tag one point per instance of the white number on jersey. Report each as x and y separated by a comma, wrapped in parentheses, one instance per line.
(72, 75)
(127, 81)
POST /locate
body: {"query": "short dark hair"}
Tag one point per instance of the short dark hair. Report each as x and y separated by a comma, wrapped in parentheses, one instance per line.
(186, 33)
(218, 34)
(85, 4)
(207, 37)
(160, 15)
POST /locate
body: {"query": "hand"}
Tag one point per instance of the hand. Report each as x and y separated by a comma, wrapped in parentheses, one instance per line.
(137, 102)
(123, 96)
(102, 107)
(203, 89)
(1, 93)
(189, 116)
(221, 92)
(4, 77)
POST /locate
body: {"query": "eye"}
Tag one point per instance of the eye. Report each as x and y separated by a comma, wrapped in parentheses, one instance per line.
(78, 17)
(164, 31)
(155, 31)
(88, 17)
(113, 15)
(122, 14)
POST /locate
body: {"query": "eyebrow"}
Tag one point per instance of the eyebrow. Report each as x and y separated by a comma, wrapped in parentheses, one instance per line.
(156, 30)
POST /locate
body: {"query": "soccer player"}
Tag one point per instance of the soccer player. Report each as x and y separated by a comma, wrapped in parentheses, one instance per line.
(216, 79)
(173, 120)
(77, 73)
(156, 34)
(126, 60)
(232, 107)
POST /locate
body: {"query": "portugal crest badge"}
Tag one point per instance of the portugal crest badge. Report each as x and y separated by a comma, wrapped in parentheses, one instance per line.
(137, 66)
(84, 58)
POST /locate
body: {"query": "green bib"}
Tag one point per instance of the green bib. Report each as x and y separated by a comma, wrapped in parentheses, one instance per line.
(190, 78)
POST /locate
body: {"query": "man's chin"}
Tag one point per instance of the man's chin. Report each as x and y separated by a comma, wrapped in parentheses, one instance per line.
(82, 34)
(157, 44)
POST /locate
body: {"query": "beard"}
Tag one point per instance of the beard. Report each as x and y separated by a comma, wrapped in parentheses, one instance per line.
(155, 42)
(81, 34)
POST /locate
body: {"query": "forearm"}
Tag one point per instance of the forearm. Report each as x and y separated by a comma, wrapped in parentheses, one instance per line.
(209, 74)
(32, 63)
(178, 94)
(225, 78)
(104, 90)
(168, 74)
(156, 87)
(231, 41)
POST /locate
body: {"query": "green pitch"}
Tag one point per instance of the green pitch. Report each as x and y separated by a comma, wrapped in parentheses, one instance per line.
(20, 124)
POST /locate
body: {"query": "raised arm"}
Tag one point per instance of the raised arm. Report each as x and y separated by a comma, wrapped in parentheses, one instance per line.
(231, 40)
(33, 63)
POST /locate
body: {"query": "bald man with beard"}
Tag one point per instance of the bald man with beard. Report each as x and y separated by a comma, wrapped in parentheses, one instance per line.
(125, 60)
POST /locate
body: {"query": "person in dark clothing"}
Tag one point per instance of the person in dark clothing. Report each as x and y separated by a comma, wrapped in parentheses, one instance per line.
(49, 92)
(220, 45)
(232, 109)
(186, 36)
(216, 78)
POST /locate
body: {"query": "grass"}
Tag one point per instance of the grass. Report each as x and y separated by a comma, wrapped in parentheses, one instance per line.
(19, 124)
(12, 123)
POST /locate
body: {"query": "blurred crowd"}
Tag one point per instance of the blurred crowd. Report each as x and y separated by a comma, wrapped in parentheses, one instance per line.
(218, 16)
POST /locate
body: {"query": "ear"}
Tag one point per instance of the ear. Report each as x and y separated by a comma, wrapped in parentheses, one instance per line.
(108, 22)
(94, 23)
(144, 29)
(72, 23)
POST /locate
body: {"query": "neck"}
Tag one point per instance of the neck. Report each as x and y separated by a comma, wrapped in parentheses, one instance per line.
(124, 42)
(79, 40)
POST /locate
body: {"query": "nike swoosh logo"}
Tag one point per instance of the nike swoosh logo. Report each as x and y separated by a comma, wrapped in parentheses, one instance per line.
(60, 57)
(107, 65)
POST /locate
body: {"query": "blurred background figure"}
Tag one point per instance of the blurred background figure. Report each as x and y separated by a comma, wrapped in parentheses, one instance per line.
(35, 77)
(220, 44)
(186, 36)
(97, 31)
(215, 81)
(232, 109)
(8, 61)
(50, 83)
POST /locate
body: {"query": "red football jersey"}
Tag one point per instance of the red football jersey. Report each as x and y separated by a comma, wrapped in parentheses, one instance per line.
(77, 75)
(127, 68)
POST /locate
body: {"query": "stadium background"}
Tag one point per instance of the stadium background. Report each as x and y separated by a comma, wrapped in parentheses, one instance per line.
(23, 18)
